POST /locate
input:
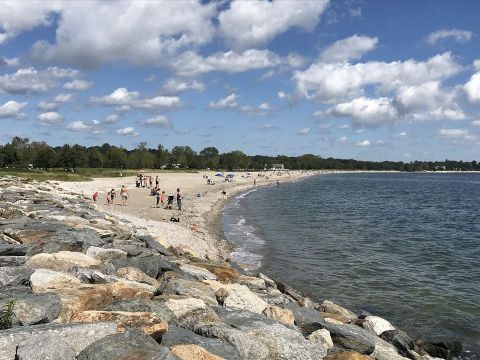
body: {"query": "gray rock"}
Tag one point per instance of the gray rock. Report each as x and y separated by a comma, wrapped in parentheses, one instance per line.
(132, 344)
(143, 305)
(269, 282)
(31, 309)
(189, 288)
(15, 275)
(179, 336)
(304, 317)
(399, 339)
(154, 245)
(78, 336)
(130, 249)
(13, 249)
(153, 266)
(91, 276)
(44, 347)
(12, 260)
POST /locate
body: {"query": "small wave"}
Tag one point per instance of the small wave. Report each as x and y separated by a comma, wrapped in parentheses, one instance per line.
(241, 196)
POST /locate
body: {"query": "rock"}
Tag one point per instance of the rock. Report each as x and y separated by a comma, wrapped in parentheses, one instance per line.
(62, 260)
(184, 306)
(443, 349)
(149, 323)
(253, 283)
(338, 318)
(283, 315)
(91, 276)
(157, 308)
(44, 280)
(322, 336)
(225, 274)
(151, 243)
(133, 274)
(399, 339)
(15, 275)
(77, 336)
(12, 260)
(347, 355)
(269, 282)
(189, 288)
(386, 353)
(193, 352)
(104, 255)
(261, 337)
(330, 307)
(44, 347)
(190, 312)
(130, 249)
(13, 250)
(238, 297)
(179, 336)
(31, 309)
(198, 272)
(132, 344)
(377, 325)
(304, 317)
(153, 266)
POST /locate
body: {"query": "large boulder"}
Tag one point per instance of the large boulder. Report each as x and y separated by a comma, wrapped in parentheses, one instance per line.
(225, 274)
(15, 275)
(154, 307)
(62, 260)
(134, 274)
(44, 280)
(191, 312)
(347, 355)
(188, 288)
(12, 260)
(330, 307)
(399, 339)
(45, 347)
(153, 266)
(193, 352)
(322, 336)
(13, 249)
(376, 324)
(132, 344)
(104, 254)
(285, 316)
(198, 272)
(76, 336)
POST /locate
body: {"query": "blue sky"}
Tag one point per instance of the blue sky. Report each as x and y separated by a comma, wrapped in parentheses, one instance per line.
(372, 80)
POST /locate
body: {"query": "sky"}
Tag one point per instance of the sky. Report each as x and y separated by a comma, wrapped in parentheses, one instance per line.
(369, 80)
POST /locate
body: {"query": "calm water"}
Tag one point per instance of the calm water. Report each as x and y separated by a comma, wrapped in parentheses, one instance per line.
(402, 246)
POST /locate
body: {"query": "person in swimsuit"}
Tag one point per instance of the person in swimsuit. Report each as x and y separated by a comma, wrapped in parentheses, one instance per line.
(162, 198)
(124, 195)
(179, 199)
(112, 196)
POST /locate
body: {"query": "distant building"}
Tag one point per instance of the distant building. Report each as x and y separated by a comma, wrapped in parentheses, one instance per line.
(277, 167)
(440, 168)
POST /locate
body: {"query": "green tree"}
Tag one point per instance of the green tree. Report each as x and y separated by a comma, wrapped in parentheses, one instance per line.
(209, 158)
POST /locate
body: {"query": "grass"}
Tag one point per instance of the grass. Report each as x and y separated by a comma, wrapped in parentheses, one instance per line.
(81, 174)
(7, 315)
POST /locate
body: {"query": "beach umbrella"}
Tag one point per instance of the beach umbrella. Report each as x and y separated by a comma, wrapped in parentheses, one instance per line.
(219, 174)
(230, 175)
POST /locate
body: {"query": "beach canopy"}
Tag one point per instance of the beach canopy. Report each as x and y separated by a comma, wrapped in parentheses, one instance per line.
(230, 175)
(219, 174)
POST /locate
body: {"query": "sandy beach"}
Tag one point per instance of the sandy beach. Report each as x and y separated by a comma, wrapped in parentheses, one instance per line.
(198, 232)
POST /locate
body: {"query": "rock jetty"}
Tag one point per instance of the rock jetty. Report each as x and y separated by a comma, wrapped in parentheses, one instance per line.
(76, 283)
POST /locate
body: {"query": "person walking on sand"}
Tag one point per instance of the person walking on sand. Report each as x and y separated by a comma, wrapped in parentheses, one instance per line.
(112, 196)
(179, 199)
(124, 195)
(157, 194)
(162, 199)
(109, 198)
(150, 182)
(157, 181)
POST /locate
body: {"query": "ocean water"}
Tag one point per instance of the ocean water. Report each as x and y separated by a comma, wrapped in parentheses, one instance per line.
(402, 246)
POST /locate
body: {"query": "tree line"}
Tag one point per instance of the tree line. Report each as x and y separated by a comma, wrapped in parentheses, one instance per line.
(20, 152)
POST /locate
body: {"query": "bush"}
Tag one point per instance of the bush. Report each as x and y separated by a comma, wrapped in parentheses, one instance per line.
(7, 315)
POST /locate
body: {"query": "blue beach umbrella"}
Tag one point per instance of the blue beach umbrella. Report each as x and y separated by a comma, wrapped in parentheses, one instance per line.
(219, 174)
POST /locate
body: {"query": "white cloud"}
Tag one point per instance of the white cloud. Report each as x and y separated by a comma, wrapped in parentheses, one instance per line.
(304, 131)
(159, 120)
(476, 122)
(457, 134)
(344, 126)
(351, 48)
(56, 103)
(460, 36)
(254, 23)
(366, 111)
(78, 85)
(225, 103)
(128, 131)
(192, 64)
(50, 118)
(139, 32)
(400, 135)
(175, 86)
(472, 88)
(123, 97)
(380, 142)
(13, 62)
(30, 80)
(81, 126)
(334, 82)
(363, 143)
(343, 139)
(112, 118)
(12, 110)
(261, 110)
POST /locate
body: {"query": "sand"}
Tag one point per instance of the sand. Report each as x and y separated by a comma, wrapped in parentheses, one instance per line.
(198, 231)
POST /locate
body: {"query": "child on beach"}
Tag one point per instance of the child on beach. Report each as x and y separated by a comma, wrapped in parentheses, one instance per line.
(95, 196)
(124, 195)
(163, 196)
(109, 198)
(112, 196)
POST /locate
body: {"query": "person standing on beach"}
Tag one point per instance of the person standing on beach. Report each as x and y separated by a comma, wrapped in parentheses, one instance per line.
(112, 196)
(254, 182)
(179, 199)
(157, 181)
(124, 195)
(162, 199)
(150, 182)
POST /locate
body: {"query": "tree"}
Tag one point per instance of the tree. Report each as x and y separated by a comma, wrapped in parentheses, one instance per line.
(44, 155)
(95, 159)
(161, 157)
(116, 157)
(209, 158)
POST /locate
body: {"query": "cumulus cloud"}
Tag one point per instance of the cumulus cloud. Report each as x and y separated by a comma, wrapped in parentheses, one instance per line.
(334, 82)
(462, 135)
(12, 110)
(176, 86)
(14, 62)
(366, 111)
(228, 102)
(351, 48)
(400, 135)
(92, 127)
(123, 97)
(128, 131)
(343, 139)
(56, 102)
(50, 118)
(192, 64)
(363, 143)
(472, 88)
(78, 85)
(254, 23)
(30, 80)
(261, 110)
(460, 36)
(150, 32)
(304, 131)
(476, 122)
(159, 121)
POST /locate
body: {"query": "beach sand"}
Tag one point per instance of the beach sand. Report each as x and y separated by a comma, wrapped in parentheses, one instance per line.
(198, 231)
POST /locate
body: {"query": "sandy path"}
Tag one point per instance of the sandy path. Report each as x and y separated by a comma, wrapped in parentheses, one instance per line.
(198, 231)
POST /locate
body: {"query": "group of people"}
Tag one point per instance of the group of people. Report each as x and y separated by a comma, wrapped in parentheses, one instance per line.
(161, 197)
(143, 180)
(111, 194)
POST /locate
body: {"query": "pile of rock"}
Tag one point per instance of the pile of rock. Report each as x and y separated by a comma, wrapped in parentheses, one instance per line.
(89, 286)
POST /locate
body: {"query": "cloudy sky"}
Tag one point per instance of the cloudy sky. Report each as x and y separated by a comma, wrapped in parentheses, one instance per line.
(366, 79)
